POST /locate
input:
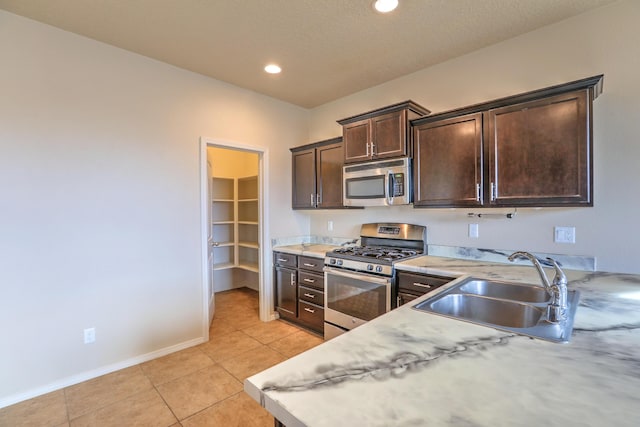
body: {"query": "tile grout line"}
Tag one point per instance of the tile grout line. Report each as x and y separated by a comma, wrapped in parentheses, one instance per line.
(66, 405)
(66, 391)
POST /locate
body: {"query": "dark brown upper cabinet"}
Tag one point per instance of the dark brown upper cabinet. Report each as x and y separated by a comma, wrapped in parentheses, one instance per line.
(380, 134)
(448, 162)
(317, 175)
(533, 149)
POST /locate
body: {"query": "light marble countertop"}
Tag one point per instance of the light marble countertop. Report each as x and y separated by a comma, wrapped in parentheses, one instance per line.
(307, 249)
(410, 368)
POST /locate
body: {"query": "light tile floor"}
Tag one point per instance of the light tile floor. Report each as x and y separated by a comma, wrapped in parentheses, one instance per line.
(199, 386)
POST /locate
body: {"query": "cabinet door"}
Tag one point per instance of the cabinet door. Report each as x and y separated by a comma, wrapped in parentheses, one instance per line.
(448, 162)
(540, 152)
(304, 179)
(356, 138)
(389, 135)
(286, 292)
(329, 162)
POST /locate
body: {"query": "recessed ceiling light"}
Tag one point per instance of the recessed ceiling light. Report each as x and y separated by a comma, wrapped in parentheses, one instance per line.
(272, 69)
(384, 6)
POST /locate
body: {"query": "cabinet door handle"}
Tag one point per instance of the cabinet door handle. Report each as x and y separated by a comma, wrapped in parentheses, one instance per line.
(367, 147)
(309, 280)
(477, 192)
(309, 295)
(494, 191)
(372, 148)
(422, 285)
(318, 198)
(312, 203)
(310, 310)
(308, 265)
(282, 260)
(293, 281)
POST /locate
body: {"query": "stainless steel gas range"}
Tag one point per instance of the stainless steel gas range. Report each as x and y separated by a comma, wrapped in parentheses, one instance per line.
(360, 280)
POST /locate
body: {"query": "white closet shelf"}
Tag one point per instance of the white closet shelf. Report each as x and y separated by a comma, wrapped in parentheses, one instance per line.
(235, 203)
(249, 267)
(223, 266)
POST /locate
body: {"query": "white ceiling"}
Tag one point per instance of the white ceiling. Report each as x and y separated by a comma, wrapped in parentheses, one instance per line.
(327, 48)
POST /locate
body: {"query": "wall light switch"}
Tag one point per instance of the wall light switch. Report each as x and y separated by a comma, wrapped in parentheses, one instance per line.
(564, 234)
(89, 335)
(473, 231)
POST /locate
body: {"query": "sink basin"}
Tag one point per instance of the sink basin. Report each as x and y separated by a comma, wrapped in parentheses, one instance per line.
(504, 290)
(487, 310)
(506, 306)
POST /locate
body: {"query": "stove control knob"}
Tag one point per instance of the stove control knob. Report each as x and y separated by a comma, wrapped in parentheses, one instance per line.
(369, 267)
(379, 269)
(339, 262)
(332, 261)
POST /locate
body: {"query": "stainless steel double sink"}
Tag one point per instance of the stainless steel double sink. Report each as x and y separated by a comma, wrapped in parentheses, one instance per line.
(506, 306)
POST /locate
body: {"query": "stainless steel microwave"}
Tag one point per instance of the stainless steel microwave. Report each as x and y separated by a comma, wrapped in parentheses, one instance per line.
(380, 183)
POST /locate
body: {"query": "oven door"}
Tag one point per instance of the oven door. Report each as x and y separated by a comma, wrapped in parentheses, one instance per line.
(352, 299)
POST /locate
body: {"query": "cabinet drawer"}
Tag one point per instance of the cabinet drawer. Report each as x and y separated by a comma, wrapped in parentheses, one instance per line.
(311, 295)
(311, 263)
(420, 284)
(311, 280)
(285, 260)
(311, 315)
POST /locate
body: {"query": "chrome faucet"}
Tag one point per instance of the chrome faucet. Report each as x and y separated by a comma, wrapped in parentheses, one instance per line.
(557, 290)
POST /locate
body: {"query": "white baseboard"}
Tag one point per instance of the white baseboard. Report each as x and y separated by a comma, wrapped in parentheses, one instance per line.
(84, 376)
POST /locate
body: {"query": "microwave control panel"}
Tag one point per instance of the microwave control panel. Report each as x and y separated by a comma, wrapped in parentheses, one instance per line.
(398, 184)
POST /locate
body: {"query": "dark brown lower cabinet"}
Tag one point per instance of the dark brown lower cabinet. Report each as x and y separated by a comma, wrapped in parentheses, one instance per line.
(299, 284)
(286, 291)
(414, 285)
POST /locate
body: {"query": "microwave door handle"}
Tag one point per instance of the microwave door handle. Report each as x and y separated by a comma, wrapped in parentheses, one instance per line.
(390, 186)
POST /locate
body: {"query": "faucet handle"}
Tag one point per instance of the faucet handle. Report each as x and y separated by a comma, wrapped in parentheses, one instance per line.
(560, 278)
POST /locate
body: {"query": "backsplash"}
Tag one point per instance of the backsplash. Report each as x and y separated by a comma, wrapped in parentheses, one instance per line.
(571, 262)
(318, 240)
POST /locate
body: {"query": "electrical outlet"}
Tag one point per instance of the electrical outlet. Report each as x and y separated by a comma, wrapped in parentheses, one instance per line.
(329, 225)
(564, 234)
(473, 230)
(89, 335)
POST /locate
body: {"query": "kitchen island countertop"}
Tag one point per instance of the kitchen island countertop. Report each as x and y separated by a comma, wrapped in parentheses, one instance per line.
(410, 368)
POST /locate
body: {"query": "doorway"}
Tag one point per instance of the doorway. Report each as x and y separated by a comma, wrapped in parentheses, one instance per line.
(234, 223)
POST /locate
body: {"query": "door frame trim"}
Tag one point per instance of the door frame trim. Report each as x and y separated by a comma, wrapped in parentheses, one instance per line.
(264, 260)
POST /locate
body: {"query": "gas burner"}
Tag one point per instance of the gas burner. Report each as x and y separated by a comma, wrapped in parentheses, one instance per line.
(372, 252)
(380, 249)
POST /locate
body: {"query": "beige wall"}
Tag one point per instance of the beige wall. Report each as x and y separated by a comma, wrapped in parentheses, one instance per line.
(100, 201)
(601, 41)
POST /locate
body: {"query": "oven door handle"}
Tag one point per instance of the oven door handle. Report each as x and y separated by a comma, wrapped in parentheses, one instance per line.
(359, 276)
